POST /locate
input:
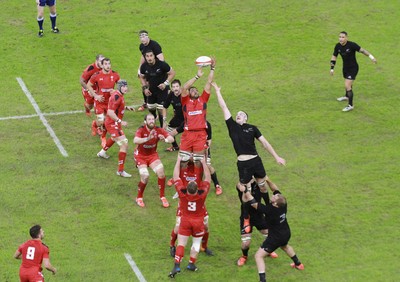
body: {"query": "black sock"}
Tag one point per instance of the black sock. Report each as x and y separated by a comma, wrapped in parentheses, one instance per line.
(154, 112)
(144, 98)
(262, 277)
(174, 144)
(215, 179)
(40, 23)
(295, 260)
(265, 197)
(350, 95)
(245, 252)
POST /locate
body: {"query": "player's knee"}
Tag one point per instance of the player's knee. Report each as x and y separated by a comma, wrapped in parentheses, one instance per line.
(151, 106)
(185, 156)
(198, 157)
(196, 244)
(144, 173)
(206, 222)
(123, 143)
(100, 118)
(159, 170)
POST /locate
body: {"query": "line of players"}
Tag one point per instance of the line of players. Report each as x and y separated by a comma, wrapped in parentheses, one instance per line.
(155, 86)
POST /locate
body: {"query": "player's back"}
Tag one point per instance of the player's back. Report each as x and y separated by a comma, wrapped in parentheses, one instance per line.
(33, 252)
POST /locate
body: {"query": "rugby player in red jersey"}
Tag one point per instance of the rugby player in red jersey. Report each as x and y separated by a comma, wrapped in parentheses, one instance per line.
(192, 206)
(105, 81)
(146, 139)
(84, 79)
(114, 123)
(194, 107)
(33, 253)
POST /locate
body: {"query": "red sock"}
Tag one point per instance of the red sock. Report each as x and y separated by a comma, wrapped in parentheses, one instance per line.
(87, 109)
(192, 260)
(121, 160)
(104, 132)
(180, 252)
(109, 143)
(174, 236)
(141, 186)
(204, 240)
(161, 186)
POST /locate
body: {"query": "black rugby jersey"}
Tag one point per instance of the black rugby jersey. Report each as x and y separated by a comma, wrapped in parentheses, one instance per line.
(243, 136)
(348, 53)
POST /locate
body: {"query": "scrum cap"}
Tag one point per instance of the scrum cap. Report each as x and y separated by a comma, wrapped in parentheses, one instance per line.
(120, 83)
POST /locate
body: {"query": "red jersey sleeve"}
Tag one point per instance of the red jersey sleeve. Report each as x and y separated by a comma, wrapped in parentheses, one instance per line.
(205, 96)
(179, 186)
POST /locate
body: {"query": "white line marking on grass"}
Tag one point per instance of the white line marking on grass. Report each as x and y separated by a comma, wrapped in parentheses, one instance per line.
(134, 267)
(45, 114)
(41, 116)
(18, 117)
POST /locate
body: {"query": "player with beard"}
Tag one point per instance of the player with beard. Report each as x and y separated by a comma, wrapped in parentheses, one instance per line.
(278, 230)
(147, 138)
(194, 106)
(105, 81)
(257, 220)
(174, 99)
(155, 77)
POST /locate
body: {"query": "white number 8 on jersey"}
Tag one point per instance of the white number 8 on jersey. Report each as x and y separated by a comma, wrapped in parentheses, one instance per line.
(30, 253)
(191, 206)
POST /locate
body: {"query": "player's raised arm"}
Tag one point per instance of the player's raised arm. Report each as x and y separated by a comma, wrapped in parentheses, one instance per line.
(210, 78)
(190, 82)
(221, 101)
(177, 168)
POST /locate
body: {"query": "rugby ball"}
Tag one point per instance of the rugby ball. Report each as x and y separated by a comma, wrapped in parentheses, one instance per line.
(203, 61)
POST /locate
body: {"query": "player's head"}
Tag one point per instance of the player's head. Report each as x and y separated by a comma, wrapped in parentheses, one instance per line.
(342, 37)
(193, 92)
(99, 58)
(176, 86)
(241, 117)
(192, 187)
(122, 86)
(36, 232)
(150, 57)
(106, 64)
(278, 200)
(144, 37)
(150, 121)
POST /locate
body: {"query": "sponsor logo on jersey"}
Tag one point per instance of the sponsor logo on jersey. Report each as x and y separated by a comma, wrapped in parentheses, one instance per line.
(190, 178)
(195, 113)
(149, 146)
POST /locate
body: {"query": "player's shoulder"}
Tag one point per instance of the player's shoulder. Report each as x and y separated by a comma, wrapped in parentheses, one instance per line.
(45, 246)
(97, 73)
(90, 68)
